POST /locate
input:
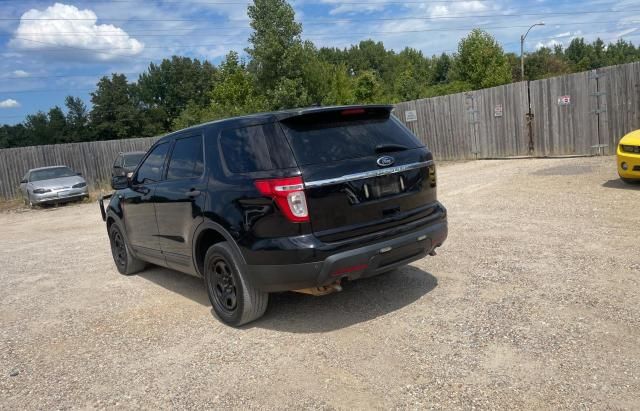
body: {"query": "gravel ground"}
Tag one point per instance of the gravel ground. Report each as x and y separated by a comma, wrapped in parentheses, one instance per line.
(532, 303)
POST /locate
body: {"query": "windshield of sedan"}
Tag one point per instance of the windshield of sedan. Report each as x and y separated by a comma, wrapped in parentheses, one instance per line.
(132, 160)
(51, 173)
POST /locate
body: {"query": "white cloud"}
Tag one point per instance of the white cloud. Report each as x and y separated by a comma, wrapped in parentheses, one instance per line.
(548, 44)
(456, 9)
(20, 73)
(74, 32)
(9, 103)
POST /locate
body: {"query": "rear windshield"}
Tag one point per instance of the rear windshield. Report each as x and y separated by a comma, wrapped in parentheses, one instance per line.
(328, 138)
(51, 173)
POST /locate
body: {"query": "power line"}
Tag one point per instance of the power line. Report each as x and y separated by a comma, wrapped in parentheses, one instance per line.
(334, 20)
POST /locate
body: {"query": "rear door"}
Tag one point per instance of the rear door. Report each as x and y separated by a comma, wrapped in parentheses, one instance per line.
(179, 199)
(363, 171)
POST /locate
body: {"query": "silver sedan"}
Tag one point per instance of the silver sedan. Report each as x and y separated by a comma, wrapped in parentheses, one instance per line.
(49, 185)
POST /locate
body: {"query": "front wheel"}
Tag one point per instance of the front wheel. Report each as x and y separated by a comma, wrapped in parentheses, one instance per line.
(125, 262)
(234, 299)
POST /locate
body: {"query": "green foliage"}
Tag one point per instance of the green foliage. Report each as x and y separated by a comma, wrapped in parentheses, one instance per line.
(276, 48)
(481, 62)
(282, 71)
(171, 85)
(115, 113)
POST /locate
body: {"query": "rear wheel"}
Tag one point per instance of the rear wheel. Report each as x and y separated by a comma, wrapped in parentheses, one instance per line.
(234, 299)
(125, 262)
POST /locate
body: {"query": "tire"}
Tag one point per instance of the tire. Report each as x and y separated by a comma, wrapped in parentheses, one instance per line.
(30, 202)
(126, 263)
(234, 299)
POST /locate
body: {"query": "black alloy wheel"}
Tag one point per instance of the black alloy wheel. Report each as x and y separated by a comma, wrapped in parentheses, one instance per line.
(222, 286)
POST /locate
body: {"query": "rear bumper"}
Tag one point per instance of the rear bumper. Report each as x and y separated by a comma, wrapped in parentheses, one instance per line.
(362, 262)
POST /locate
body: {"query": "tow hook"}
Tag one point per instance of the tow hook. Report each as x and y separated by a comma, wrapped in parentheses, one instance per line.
(324, 290)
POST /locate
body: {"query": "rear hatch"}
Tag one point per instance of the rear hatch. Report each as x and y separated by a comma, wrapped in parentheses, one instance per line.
(363, 171)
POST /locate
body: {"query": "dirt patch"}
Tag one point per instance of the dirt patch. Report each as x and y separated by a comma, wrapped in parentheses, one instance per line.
(531, 303)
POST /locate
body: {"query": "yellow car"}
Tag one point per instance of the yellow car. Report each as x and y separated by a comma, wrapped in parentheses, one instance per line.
(629, 157)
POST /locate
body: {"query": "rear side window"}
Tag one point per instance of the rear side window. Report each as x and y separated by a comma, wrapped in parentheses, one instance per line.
(255, 148)
(328, 137)
(151, 170)
(186, 159)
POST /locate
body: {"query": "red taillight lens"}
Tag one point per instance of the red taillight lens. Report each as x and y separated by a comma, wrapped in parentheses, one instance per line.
(288, 194)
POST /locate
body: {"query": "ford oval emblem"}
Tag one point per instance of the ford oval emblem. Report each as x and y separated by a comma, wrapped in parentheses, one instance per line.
(385, 161)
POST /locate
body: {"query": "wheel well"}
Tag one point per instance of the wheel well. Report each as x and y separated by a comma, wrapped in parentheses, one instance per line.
(206, 239)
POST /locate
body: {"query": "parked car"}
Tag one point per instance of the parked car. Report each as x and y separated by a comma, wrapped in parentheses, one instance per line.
(48, 185)
(293, 200)
(126, 163)
(628, 154)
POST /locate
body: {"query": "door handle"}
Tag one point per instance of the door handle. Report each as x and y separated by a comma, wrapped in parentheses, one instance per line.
(193, 193)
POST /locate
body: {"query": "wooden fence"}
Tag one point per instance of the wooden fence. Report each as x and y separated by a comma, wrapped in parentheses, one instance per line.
(570, 115)
(92, 159)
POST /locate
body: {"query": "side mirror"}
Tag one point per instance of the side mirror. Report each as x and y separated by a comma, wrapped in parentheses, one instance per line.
(23, 181)
(119, 182)
(78, 174)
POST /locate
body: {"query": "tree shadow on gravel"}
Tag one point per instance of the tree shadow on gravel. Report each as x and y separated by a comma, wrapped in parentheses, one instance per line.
(619, 184)
(186, 285)
(359, 301)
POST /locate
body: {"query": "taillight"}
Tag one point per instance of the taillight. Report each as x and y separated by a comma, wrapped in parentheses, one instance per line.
(288, 194)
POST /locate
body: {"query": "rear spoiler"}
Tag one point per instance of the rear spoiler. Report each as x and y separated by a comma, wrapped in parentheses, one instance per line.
(359, 111)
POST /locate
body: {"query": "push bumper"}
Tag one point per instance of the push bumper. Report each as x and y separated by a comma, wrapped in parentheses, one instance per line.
(353, 264)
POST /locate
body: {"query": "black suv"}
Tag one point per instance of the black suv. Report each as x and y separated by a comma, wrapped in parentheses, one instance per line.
(291, 200)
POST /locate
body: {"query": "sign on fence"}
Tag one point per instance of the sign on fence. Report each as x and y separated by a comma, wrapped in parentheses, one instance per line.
(497, 111)
(410, 115)
(564, 100)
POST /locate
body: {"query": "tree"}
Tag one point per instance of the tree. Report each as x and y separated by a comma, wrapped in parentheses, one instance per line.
(115, 112)
(57, 127)
(442, 68)
(37, 129)
(77, 120)
(277, 53)
(367, 88)
(481, 62)
(340, 86)
(168, 87)
(233, 94)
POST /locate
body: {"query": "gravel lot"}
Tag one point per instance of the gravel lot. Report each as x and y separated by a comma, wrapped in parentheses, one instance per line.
(533, 302)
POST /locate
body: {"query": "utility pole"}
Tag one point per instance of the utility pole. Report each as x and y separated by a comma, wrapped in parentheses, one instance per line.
(522, 39)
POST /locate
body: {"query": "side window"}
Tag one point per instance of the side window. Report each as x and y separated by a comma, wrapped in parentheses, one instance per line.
(118, 162)
(255, 148)
(186, 159)
(151, 170)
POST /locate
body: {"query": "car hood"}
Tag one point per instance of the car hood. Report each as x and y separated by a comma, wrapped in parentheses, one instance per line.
(58, 183)
(632, 139)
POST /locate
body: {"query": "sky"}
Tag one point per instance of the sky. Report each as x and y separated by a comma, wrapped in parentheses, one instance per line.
(53, 49)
